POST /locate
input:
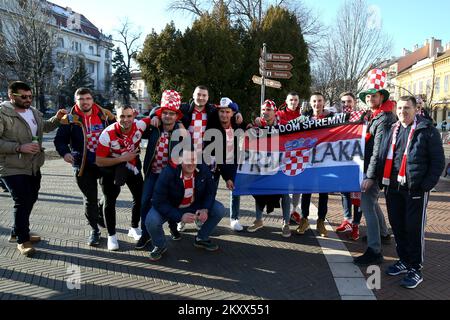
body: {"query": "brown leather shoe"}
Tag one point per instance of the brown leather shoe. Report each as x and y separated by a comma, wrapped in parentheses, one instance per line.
(26, 248)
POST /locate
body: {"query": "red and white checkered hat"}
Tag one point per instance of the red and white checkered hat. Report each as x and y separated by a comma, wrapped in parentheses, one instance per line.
(171, 100)
(270, 104)
(376, 81)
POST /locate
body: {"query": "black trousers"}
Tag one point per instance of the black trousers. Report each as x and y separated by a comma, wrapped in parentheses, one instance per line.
(407, 216)
(24, 192)
(111, 191)
(323, 205)
(88, 184)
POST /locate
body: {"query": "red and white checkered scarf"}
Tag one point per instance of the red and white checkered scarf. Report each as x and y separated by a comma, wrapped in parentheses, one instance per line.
(390, 158)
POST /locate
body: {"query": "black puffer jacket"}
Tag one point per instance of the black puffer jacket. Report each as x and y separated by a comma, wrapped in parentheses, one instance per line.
(377, 127)
(426, 159)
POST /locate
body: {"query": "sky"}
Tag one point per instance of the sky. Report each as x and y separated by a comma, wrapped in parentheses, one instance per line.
(408, 22)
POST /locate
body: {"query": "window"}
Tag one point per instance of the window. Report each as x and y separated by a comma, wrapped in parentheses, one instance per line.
(107, 54)
(76, 46)
(91, 50)
(420, 87)
(437, 86)
(90, 67)
(446, 80)
(415, 89)
(428, 88)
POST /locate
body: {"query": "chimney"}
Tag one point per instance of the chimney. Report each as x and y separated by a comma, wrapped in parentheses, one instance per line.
(435, 46)
(416, 47)
(406, 52)
(447, 47)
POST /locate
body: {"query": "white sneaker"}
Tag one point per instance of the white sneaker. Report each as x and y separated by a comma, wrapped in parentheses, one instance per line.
(198, 224)
(113, 244)
(135, 233)
(181, 226)
(236, 226)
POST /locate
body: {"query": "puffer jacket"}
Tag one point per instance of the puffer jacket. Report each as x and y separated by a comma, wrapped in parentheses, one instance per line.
(15, 131)
(426, 158)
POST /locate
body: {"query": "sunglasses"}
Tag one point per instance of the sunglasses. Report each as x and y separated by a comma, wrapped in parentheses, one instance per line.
(23, 97)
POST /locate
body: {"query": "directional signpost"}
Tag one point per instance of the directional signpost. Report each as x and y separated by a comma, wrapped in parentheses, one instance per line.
(275, 66)
(267, 83)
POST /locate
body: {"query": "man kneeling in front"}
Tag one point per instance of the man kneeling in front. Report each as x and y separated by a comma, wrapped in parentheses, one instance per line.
(184, 193)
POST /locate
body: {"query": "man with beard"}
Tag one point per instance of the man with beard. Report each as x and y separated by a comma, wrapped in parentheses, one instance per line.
(76, 141)
(380, 119)
(159, 154)
(22, 156)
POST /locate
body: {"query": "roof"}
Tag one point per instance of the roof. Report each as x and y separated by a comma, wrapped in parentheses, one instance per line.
(412, 58)
(62, 16)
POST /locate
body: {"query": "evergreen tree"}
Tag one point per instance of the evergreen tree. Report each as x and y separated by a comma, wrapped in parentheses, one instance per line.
(122, 78)
(79, 78)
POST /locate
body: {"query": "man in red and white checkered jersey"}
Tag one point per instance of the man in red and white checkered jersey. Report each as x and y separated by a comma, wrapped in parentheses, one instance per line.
(196, 118)
(118, 157)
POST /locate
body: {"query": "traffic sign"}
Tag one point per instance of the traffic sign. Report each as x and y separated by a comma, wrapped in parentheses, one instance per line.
(278, 66)
(267, 82)
(279, 57)
(276, 74)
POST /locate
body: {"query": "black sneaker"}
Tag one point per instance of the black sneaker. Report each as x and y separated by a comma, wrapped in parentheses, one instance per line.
(176, 235)
(384, 239)
(412, 279)
(94, 238)
(157, 253)
(369, 258)
(143, 242)
(206, 244)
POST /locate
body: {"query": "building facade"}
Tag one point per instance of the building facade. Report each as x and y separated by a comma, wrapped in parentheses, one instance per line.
(143, 102)
(75, 37)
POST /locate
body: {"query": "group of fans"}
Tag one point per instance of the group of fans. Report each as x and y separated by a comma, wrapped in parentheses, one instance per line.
(403, 155)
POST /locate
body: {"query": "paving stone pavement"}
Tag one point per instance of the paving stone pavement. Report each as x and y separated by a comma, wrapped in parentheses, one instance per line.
(260, 266)
(248, 266)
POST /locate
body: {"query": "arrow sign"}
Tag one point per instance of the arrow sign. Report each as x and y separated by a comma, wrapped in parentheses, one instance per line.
(268, 82)
(276, 74)
(279, 57)
(278, 66)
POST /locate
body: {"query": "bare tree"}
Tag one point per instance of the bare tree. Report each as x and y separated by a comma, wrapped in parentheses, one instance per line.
(129, 41)
(28, 42)
(250, 14)
(355, 43)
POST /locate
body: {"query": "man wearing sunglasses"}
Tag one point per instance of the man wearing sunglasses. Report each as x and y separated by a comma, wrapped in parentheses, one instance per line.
(22, 156)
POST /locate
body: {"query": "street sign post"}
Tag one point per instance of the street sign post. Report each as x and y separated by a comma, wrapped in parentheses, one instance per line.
(272, 65)
(267, 82)
(276, 74)
(279, 57)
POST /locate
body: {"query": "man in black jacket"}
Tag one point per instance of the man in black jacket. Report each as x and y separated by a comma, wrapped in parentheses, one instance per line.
(380, 118)
(76, 141)
(185, 193)
(411, 161)
(159, 152)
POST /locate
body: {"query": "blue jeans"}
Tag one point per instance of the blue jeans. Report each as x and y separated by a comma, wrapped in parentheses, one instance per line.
(24, 191)
(235, 205)
(155, 222)
(285, 207)
(146, 204)
(347, 206)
